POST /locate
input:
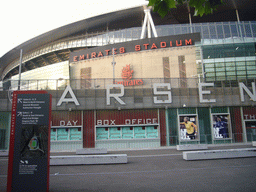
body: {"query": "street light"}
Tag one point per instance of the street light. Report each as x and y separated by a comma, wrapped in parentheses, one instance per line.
(113, 63)
(20, 69)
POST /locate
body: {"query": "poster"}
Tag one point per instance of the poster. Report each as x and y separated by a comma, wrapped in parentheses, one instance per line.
(188, 127)
(152, 132)
(115, 133)
(75, 134)
(139, 132)
(53, 135)
(62, 134)
(101, 133)
(127, 133)
(221, 127)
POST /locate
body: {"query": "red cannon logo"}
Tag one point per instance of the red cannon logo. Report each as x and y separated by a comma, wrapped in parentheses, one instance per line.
(127, 75)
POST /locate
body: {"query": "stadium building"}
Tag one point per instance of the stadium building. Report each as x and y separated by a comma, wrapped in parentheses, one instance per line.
(130, 79)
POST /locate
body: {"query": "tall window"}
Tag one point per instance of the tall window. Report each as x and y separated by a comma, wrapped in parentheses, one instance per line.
(85, 77)
(166, 68)
(182, 71)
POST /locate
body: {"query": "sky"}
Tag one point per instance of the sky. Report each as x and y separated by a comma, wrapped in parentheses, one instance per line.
(23, 20)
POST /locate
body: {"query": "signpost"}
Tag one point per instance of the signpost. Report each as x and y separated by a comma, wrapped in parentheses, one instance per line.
(29, 153)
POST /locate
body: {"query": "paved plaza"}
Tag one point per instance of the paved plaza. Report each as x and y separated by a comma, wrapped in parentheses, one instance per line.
(153, 170)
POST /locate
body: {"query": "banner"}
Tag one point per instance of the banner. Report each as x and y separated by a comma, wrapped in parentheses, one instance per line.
(221, 127)
(188, 128)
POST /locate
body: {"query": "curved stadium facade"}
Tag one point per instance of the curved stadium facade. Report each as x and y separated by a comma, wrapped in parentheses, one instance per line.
(113, 88)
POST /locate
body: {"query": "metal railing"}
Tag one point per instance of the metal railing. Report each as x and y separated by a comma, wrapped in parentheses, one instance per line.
(81, 84)
(148, 143)
(208, 139)
(128, 144)
(236, 138)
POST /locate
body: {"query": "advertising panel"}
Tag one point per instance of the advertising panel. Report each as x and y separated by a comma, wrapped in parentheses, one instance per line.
(115, 133)
(127, 124)
(221, 126)
(62, 134)
(75, 134)
(66, 126)
(102, 134)
(53, 135)
(29, 153)
(127, 133)
(152, 132)
(139, 132)
(188, 127)
(136, 132)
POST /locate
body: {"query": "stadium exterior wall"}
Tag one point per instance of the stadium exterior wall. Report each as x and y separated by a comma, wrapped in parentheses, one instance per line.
(149, 118)
(157, 83)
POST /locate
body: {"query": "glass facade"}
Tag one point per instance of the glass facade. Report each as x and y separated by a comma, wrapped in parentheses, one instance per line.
(230, 69)
(227, 49)
(53, 76)
(5, 120)
(229, 61)
(218, 33)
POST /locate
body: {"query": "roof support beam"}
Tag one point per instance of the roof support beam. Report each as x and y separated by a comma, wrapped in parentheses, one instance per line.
(58, 57)
(45, 60)
(148, 22)
(33, 64)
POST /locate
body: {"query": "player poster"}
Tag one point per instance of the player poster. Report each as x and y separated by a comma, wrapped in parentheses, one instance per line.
(221, 126)
(188, 127)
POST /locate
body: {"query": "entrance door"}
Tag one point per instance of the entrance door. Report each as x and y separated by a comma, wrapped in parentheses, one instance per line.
(2, 138)
(251, 130)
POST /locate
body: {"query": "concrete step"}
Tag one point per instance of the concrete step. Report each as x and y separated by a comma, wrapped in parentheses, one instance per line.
(91, 151)
(187, 147)
(88, 159)
(4, 153)
(219, 154)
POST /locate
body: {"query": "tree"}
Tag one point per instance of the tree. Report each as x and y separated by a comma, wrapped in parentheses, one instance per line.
(201, 6)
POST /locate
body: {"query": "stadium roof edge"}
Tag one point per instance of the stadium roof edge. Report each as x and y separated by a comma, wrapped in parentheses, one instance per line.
(127, 18)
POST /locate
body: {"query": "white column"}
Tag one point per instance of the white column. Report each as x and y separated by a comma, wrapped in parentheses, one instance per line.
(148, 22)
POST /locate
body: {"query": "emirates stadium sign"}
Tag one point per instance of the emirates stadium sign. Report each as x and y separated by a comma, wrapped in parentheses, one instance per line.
(135, 46)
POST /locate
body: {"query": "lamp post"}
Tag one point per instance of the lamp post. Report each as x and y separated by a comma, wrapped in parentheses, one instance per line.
(113, 63)
(20, 69)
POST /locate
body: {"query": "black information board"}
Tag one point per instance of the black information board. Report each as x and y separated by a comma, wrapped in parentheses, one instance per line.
(28, 168)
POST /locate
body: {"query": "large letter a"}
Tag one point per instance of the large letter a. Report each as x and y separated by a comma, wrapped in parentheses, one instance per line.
(72, 99)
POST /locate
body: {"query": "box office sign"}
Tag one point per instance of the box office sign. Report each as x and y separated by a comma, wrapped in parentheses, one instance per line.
(134, 121)
(28, 168)
(127, 118)
(66, 118)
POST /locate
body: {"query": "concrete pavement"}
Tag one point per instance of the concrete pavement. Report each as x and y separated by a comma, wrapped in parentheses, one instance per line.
(153, 170)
